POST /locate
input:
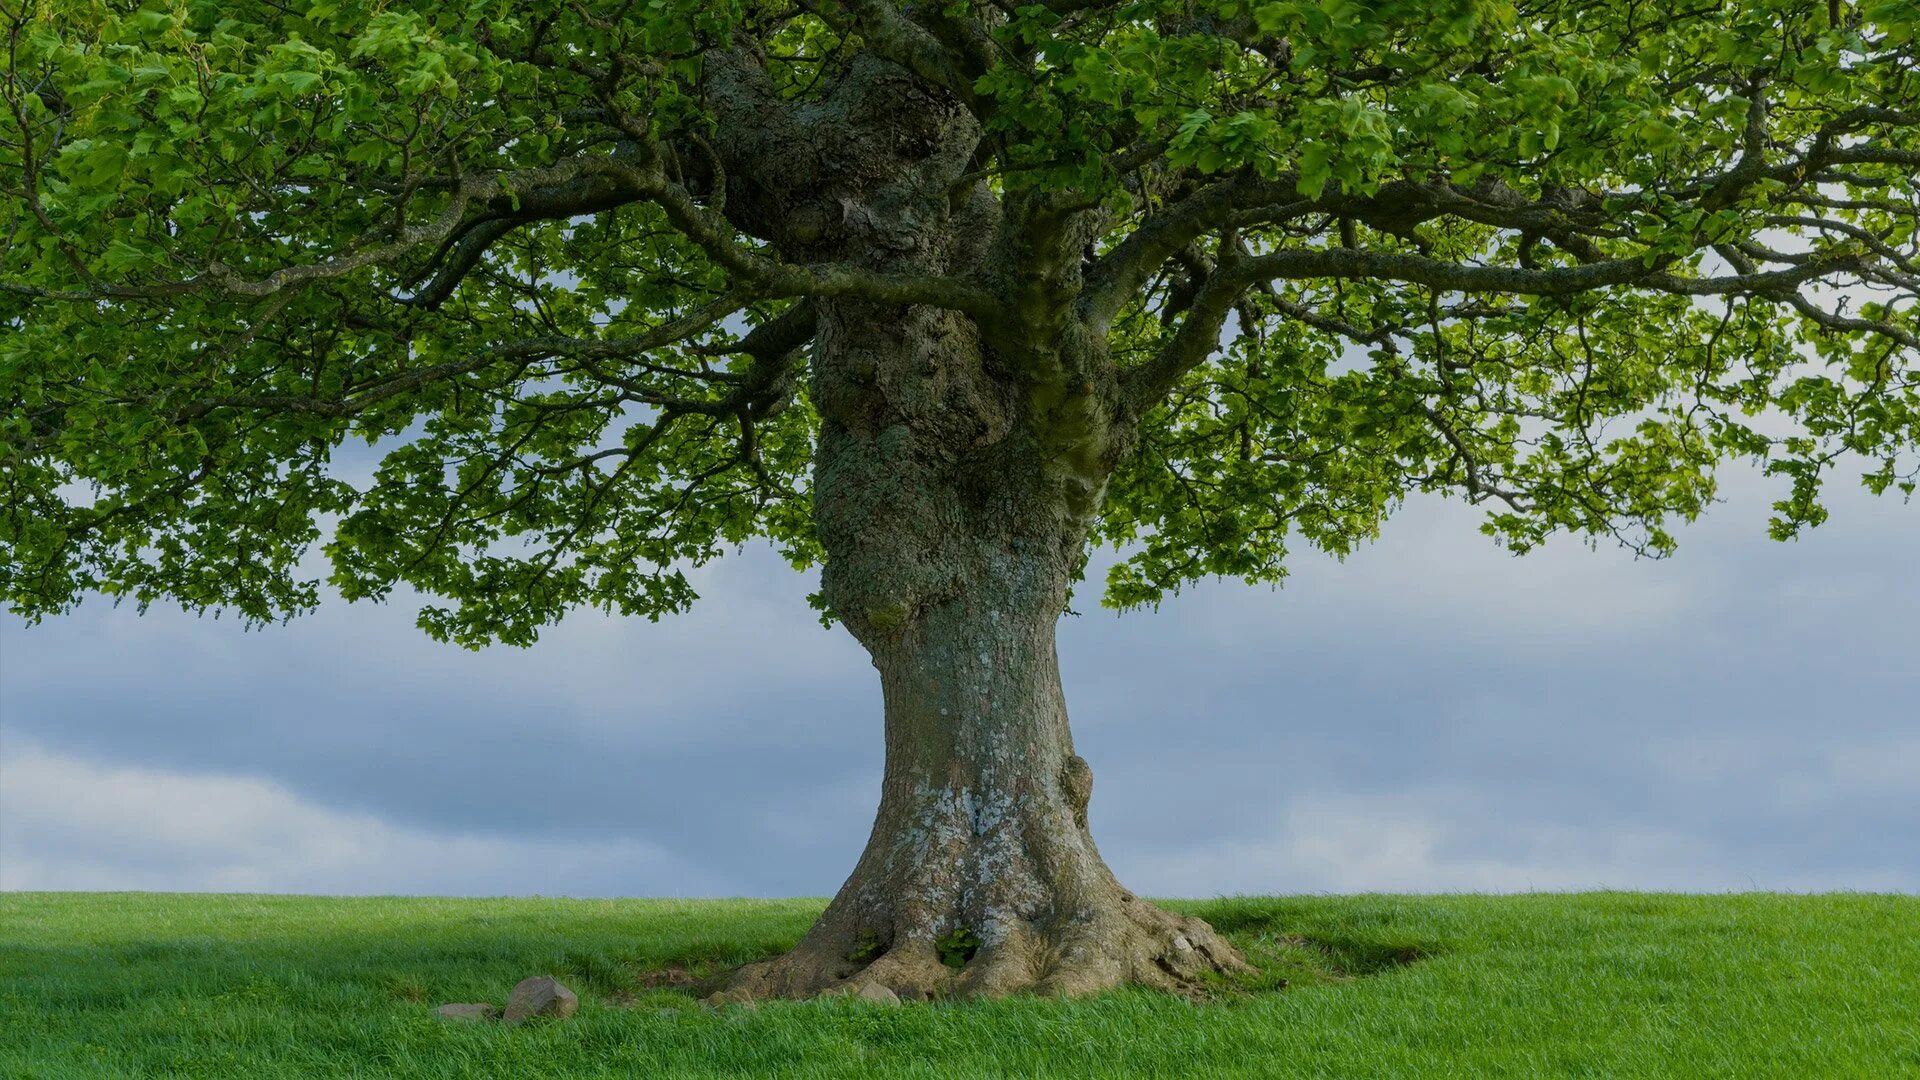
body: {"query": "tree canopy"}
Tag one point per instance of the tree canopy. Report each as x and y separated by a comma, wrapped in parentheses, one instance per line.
(1559, 258)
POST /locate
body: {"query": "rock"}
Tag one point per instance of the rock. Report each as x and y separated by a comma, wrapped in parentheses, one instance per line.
(1181, 944)
(877, 994)
(541, 995)
(468, 1012)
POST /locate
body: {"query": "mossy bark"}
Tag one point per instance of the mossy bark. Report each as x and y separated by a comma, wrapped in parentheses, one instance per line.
(959, 465)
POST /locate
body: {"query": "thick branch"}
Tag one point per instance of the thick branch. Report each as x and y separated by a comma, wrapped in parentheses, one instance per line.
(586, 183)
(1116, 277)
(889, 33)
(461, 252)
(1199, 332)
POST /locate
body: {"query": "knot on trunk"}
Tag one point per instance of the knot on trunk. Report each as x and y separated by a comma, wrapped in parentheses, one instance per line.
(1076, 782)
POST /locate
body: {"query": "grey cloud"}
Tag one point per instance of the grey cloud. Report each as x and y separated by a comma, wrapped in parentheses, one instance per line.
(1446, 716)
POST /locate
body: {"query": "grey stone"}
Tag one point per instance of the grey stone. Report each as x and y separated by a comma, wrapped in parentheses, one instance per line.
(877, 994)
(467, 1012)
(541, 995)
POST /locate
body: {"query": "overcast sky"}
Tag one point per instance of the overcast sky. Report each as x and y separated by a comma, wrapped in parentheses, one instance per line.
(1430, 715)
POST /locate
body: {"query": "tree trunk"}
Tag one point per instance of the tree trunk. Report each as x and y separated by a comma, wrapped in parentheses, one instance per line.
(953, 530)
(954, 481)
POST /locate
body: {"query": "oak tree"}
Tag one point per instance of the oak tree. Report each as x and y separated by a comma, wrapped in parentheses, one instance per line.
(932, 295)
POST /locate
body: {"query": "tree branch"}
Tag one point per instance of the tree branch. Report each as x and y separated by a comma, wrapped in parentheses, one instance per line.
(890, 34)
(1199, 332)
(591, 182)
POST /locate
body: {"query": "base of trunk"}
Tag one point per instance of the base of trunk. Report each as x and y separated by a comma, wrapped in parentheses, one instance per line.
(980, 877)
(976, 897)
(1125, 942)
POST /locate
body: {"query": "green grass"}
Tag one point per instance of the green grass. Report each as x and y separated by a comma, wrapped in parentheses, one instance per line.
(1598, 984)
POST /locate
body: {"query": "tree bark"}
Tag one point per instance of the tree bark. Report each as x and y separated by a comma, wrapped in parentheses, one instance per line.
(954, 528)
(956, 475)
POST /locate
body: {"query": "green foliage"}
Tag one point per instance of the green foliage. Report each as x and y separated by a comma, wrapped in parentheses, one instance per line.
(866, 948)
(253, 136)
(957, 946)
(221, 345)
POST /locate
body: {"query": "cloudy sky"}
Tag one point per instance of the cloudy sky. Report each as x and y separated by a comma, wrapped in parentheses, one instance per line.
(1430, 715)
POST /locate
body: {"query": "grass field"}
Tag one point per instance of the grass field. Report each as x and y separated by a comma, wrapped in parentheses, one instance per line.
(1593, 985)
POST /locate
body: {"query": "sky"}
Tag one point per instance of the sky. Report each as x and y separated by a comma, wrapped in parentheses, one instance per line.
(1431, 714)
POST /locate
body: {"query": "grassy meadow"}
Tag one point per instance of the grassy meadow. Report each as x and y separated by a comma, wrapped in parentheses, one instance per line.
(1545, 985)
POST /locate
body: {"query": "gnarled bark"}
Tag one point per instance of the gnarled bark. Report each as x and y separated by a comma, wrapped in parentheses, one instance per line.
(980, 850)
(958, 467)
(953, 524)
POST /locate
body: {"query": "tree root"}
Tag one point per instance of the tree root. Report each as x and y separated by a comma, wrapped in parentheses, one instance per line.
(1127, 942)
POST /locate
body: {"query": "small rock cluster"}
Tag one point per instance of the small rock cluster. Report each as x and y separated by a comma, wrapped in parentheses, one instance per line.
(541, 995)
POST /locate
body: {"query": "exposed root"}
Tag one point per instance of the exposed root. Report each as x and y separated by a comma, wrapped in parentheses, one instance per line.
(1128, 942)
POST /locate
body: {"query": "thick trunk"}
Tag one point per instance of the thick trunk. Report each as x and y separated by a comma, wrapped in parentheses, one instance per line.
(951, 566)
(980, 876)
(954, 481)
